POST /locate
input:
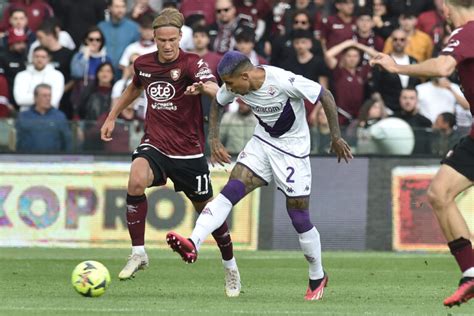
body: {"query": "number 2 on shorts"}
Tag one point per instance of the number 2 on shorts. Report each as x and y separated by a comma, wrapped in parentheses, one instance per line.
(292, 171)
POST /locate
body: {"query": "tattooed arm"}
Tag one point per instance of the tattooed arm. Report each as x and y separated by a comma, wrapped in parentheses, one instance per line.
(218, 152)
(338, 145)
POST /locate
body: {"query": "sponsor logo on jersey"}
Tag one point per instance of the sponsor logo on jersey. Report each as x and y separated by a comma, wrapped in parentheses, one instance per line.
(160, 91)
(144, 74)
(164, 106)
(175, 73)
(291, 80)
(267, 109)
(204, 73)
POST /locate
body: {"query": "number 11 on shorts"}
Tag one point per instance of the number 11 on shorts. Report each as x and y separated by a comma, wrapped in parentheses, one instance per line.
(202, 180)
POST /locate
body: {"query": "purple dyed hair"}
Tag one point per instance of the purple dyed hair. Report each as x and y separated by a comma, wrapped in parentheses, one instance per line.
(230, 62)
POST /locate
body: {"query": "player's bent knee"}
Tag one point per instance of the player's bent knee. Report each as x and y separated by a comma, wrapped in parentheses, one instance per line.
(301, 220)
(234, 191)
(436, 197)
(137, 184)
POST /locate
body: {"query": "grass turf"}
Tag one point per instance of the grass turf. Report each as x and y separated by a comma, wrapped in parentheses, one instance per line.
(37, 281)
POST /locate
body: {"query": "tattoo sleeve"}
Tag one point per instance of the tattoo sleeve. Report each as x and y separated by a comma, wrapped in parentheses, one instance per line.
(330, 109)
(215, 117)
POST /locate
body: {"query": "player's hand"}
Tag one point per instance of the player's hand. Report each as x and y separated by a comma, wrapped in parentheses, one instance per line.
(219, 153)
(384, 61)
(195, 89)
(341, 149)
(107, 129)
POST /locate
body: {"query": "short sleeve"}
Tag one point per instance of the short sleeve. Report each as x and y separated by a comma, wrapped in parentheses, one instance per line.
(199, 70)
(297, 86)
(224, 96)
(136, 79)
(460, 46)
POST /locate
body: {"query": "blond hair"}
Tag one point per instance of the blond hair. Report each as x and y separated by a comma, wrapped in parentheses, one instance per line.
(468, 4)
(169, 17)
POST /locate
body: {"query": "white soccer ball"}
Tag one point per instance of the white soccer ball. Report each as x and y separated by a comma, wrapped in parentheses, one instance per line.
(90, 278)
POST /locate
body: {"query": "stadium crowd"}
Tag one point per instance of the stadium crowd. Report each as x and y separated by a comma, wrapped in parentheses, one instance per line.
(63, 63)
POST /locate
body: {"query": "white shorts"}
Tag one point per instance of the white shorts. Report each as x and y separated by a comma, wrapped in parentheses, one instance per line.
(292, 174)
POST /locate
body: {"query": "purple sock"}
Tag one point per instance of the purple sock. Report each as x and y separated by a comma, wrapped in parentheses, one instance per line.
(300, 220)
(234, 191)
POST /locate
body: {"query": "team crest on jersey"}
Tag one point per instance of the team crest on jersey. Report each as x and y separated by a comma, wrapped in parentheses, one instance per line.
(271, 91)
(175, 73)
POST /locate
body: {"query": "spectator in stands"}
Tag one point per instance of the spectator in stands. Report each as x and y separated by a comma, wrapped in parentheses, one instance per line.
(119, 32)
(390, 85)
(6, 108)
(384, 23)
(339, 27)
(43, 128)
(13, 60)
(204, 7)
(419, 123)
(371, 111)
(146, 43)
(139, 9)
(439, 95)
(303, 61)
(445, 134)
(96, 98)
(365, 35)
(39, 72)
(201, 47)
(259, 12)
(18, 27)
(140, 103)
(63, 37)
(349, 79)
(419, 44)
(227, 21)
(85, 62)
(237, 128)
(432, 23)
(398, 7)
(126, 126)
(320, 133)
(48, 36)
(282, 46)
(245, 43)
(36, 11)
(76, 17)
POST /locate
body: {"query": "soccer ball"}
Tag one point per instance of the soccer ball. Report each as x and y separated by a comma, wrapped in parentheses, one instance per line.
(90, 278)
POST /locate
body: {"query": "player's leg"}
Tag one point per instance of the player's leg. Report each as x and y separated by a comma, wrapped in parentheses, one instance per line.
(455, 176)
(310, 243)
(141, 177)
(224, 242)
(243, 180)
(446, 185)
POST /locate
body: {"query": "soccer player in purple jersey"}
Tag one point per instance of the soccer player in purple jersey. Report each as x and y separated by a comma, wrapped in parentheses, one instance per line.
(457, 170)
(173, 143)
(278, 151)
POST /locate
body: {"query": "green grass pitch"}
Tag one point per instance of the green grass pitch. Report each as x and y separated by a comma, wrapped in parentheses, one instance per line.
(37, 281)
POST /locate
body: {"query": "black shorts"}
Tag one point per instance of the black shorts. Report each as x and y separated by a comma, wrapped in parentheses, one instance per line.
(188, 175)
(461, 157)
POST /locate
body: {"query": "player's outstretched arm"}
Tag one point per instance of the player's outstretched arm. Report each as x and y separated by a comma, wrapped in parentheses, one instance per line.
(338, 144)
(208, 88)
(441, 66)
(218, 152)
(127, 97)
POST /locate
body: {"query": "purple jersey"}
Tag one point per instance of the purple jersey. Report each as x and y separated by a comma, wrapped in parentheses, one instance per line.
(174, 121)
(461, 47)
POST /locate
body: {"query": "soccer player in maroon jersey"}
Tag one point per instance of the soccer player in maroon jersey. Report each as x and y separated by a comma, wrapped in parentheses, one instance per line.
(173, 143)
(457, 170)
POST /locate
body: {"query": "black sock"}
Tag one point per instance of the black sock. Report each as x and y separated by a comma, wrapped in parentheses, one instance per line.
(313, 284)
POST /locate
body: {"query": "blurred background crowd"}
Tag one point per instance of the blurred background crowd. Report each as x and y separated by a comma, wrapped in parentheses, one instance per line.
(63, 64)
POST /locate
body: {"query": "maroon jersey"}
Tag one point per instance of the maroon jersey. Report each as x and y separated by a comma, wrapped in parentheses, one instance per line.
(174, 121)
(461, 47)
(335, 31)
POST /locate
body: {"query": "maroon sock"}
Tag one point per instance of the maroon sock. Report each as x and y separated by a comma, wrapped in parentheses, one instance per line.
(224, 242)
(462, 250)
(137, 207)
